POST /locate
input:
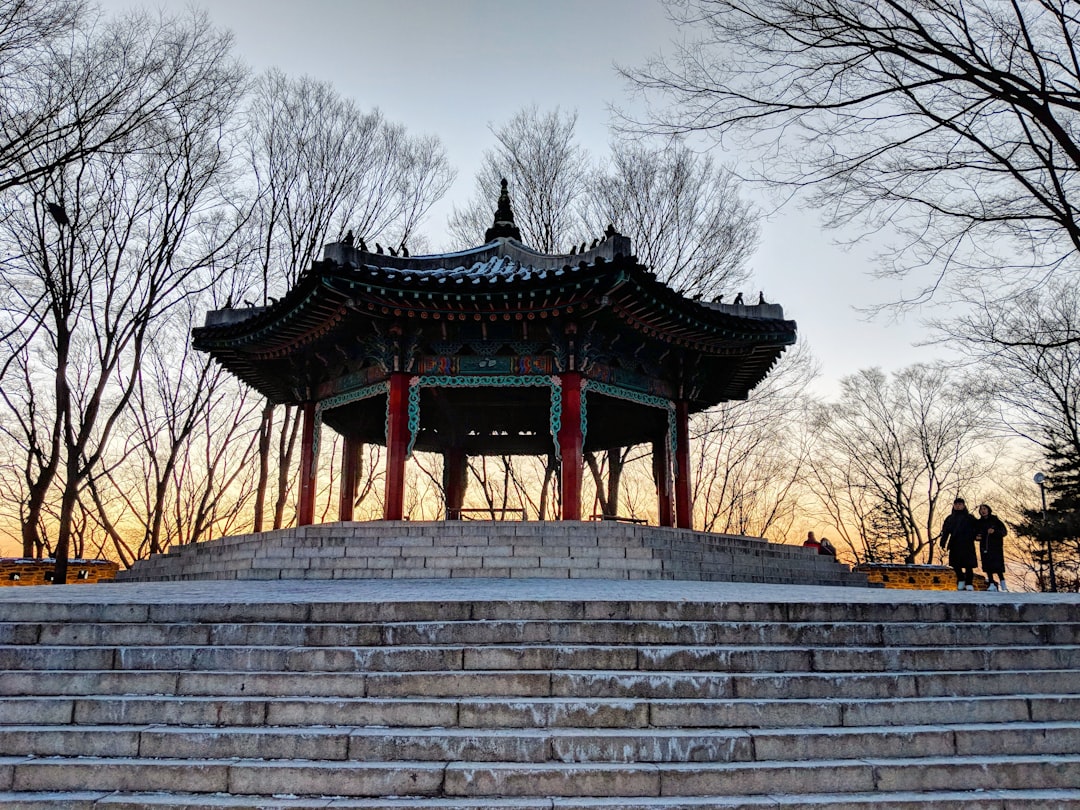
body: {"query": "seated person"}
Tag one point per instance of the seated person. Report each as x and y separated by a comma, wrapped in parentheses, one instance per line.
(812, 542)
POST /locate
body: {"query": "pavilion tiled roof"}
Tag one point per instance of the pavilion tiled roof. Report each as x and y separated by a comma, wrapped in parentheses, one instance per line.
(503, 279)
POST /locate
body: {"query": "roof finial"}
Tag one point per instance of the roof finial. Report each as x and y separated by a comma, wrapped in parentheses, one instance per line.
(504, 219)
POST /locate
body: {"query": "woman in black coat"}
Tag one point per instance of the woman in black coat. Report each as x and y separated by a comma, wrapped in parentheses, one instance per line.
(989, 532)
(958, 536)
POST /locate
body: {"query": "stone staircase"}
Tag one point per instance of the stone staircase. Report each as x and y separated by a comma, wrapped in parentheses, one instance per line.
(248, 695)
(499, 549)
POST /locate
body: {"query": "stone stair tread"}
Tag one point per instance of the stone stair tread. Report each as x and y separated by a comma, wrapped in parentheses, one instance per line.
(965, 760)
(332, 695)
(556, 646)
(884, 800)
(325, 729)
(491, 780)
(289, 711)
(629, 632)
(543, 700)
(359, 600)
(969, 800)
(976, 659)
(539, 683)
(974, 799)
(536, 745)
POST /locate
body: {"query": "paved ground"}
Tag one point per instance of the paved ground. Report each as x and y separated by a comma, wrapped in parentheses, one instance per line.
(471, 590)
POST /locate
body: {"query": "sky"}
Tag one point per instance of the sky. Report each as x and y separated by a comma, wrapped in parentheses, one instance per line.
(454, 68)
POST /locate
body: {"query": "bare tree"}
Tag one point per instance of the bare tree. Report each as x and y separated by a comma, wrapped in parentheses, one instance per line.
(546, 169)
(164, 430)
(686, 222)
(27, 27)
(747, 456)
(683, 214)
(75, 83)
(1027, 352)
(214, 480)
(953, 121)
(32, 426)
(322, 166)
(888, 451)
(96, 279)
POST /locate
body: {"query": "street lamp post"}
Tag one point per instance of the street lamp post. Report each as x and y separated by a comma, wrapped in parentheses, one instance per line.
(1040, 479)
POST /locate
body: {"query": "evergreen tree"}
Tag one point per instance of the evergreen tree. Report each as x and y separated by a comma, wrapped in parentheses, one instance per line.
(1052, 544)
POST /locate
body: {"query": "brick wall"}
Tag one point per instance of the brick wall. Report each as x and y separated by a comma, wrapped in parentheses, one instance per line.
(16, 571)
(915, 577)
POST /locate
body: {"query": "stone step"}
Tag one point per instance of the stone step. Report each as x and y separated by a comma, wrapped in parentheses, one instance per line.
(251, 776)
(501, 780)
(493, 549)
(538, 657)
(414, 634)
(953, 616)
(797, 685)
(560, 684)
(540, 745)
(526, 565)
(937, 800)
(535, 712)
(210, 700)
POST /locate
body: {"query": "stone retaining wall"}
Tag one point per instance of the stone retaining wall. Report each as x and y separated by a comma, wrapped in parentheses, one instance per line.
(22, 571)
(915, 577)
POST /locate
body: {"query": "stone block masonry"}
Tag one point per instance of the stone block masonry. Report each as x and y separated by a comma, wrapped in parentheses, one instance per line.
(536, 694)
(549, 550)
(21, 571)
(915, 577)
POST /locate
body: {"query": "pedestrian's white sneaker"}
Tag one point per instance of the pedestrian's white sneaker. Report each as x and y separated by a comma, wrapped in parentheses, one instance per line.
(1004, 587)
(992, 587)
(959, 586)
(969, 587)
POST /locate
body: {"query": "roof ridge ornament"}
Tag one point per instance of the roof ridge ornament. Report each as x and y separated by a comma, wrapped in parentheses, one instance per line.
(503, 225)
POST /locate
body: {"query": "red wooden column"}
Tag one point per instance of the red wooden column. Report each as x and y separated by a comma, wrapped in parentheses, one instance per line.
(397, 445)
(305, 511)
(350, 465)
(684, 517)
(455, 480)
(661, 459)
(570, 445)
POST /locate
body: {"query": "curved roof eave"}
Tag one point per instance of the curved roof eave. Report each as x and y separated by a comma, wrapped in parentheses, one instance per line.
(640, 298)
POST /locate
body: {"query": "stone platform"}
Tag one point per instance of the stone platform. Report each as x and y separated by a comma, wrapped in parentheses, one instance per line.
(499, 549)
(536, 694)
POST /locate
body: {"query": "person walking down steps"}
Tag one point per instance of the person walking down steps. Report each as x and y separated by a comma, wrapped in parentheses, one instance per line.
(958, 536)
(990, 532)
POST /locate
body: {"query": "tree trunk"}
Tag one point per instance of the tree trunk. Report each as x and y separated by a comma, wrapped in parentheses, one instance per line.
(31, 537)
(607, 491)
(549, 473)
(290, 428)
(266, 425)
(615, 461)
(67, 514)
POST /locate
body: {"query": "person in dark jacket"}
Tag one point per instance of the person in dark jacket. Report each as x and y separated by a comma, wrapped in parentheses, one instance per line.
(989, 532)
(958, 536)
